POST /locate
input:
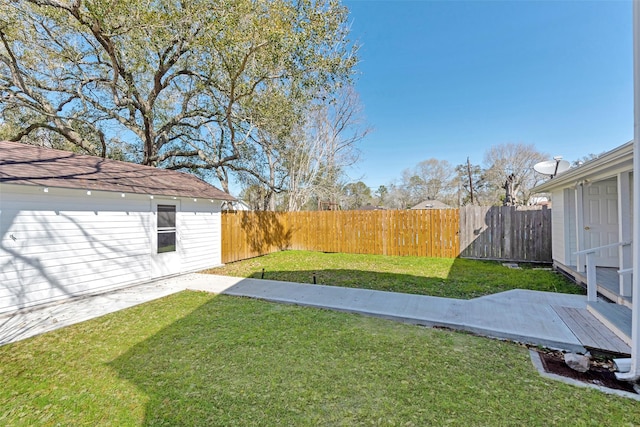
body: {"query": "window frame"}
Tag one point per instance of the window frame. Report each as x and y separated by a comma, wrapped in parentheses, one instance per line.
(166, 226)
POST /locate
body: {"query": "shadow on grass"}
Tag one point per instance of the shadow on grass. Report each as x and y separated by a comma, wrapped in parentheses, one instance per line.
(238, 361)
(464, 280)
(389, 282)
(177, 369)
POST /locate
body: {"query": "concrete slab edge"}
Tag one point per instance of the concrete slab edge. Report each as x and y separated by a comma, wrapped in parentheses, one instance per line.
(53, 321)
(537, 363)
(489, 333)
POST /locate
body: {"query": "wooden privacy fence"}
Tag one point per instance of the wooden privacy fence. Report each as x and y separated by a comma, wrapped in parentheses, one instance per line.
(504, 233)
(411, 232)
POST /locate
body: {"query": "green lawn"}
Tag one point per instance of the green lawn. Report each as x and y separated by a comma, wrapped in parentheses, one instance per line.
(194, 359)
(443, 277)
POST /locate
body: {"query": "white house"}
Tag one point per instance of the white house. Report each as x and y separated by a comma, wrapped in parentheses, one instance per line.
(592, 222)
(596, 229)
(592, 229)
(73, 224)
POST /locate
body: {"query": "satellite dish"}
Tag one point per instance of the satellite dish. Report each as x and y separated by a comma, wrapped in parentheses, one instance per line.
(552, 167)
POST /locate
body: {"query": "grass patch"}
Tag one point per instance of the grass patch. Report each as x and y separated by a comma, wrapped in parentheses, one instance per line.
(198, 359)
(443, 277)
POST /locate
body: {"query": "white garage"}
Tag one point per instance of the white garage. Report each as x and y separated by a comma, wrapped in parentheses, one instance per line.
(73, 224)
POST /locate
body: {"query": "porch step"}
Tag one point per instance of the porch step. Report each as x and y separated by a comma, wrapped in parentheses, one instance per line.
(611, 293)
(591, 333)
(616, 317)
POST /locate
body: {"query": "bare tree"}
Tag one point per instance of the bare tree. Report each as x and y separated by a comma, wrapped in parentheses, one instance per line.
(473, 186)
(399, 196)
(509, 172)
(316, 163)
(431, 179)
(585, 159)
(437, 177)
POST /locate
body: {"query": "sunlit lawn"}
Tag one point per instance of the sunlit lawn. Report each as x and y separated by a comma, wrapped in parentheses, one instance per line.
(445, 277)
(194, 359)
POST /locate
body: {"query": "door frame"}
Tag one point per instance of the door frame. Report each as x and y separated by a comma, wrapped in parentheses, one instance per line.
(607, 223)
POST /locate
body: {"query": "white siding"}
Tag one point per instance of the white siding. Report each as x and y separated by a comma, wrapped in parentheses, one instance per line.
(200, 234)
(570, 230)
(563, 226)
(63, 243)
(630, 203)
(557, 225)
(52, 247)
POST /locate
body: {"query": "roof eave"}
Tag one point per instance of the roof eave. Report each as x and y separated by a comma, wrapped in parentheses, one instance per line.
(607, 163)
(128, 190)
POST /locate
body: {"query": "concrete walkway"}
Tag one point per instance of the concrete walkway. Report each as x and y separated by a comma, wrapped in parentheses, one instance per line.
(518, 315)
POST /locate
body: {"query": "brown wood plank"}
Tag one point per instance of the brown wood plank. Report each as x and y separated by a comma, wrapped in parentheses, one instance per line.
(472, 231)
(590, 332)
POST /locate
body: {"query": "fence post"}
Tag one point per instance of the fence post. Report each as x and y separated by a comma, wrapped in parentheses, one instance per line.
(472, 231)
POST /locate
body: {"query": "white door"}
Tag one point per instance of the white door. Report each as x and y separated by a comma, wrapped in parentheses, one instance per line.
(165, 239)
(601, 220)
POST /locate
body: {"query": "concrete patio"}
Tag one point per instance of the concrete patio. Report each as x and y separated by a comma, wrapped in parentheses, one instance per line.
(529, 317)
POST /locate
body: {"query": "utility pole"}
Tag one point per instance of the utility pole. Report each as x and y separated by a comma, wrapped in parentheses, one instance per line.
(470, 180)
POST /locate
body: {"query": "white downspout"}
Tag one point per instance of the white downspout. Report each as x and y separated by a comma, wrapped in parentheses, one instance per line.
(634, 373)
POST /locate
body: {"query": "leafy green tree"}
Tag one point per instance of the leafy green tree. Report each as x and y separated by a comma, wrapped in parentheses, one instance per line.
(185, 83)
(381, 195)
(356, 195)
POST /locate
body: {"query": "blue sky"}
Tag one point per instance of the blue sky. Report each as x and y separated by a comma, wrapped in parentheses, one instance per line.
(449, 79)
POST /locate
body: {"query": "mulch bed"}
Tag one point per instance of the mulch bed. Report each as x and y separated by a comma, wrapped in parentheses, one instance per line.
(600, 372)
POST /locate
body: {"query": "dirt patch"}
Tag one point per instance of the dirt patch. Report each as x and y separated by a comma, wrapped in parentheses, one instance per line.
(600, 372)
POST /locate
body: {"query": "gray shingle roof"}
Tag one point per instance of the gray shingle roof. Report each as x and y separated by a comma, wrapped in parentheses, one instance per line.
(32, 165)
(431, 204)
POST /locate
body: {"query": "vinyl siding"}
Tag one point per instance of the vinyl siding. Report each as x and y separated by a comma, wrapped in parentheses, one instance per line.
(557, 226)
(65, 243)
(570, 230)
(200, 234)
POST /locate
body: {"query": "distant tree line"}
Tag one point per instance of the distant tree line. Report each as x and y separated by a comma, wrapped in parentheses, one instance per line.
(505, 177)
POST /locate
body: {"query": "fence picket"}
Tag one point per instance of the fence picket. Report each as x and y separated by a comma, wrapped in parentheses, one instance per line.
(506, 233)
